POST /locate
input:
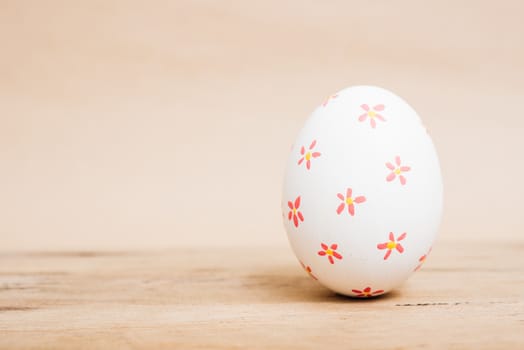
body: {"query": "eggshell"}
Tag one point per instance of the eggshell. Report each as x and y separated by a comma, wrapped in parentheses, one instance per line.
(362, 195)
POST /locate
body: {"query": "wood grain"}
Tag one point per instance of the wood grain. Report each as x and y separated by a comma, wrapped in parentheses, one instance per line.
(469, 295)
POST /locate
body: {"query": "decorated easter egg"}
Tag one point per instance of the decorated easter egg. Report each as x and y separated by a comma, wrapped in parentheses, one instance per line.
(362, 194)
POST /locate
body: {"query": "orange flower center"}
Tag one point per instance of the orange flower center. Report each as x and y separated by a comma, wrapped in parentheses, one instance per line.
(398, 171)
(308, 155)
(329, 252)
(371, 114)
(392, 245)
(349, 201)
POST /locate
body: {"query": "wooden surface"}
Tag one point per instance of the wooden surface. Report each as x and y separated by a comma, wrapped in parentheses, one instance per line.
(468, 295)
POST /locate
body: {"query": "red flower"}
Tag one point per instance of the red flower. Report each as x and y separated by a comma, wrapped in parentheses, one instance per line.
(307, 268)
(421, 260)
(294, 213)
(326, 101)
(307, 156)
(366, 292)
(397, 171)
(349, 201)
(392, 244)
(330, 252)
(372, 114)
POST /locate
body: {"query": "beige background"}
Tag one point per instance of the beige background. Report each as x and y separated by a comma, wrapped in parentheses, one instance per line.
(153, 124)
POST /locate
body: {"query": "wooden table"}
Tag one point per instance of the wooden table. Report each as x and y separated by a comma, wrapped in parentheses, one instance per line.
(469, 295)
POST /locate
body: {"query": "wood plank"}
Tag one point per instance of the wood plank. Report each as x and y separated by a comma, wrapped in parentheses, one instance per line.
(469, 295)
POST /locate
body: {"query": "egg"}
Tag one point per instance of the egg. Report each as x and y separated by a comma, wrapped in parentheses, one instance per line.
(362, 194)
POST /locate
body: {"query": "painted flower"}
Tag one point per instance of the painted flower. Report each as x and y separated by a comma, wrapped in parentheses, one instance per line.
(294, 213)
(397, 170)
(366, 292)
(349, 201)
(330, 252)
(308, 155)
(392, 244)
(326, 101)
(372, 114)
(421, 260)
(307, 268)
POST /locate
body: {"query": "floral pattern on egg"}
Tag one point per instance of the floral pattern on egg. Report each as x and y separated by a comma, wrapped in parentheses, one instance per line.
(369, 252)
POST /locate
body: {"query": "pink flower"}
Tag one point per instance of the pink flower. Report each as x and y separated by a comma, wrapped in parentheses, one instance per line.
(330, 252)
(397, 171)
(307, 268)
(349, 201)
(392, 244)
(366, 292)
(307, 156)
(372, 114)
(421, 260)
(326, 101)
(294, 213)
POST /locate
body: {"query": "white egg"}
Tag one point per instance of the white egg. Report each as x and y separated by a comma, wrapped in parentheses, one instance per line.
(362, 197)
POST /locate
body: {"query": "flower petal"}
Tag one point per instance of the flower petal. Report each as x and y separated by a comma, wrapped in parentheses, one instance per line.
(356, 291)
(402, 236)
(290, 204)
(340, 208)
(290, 215)
(402, 180)
(297, 202)
(364, 107)
(300, 160)
(330, 258)
(334, 246)
(367, 289)
(391, 177)
(380, 291)
(308, 164)
(341, 196)
(315, 154)
(390, 166)
(349, 192)
(362, 117)
(300, 216)
(295, 220)
(388, 253)
(351, 209)
(405, 168)
(397, 160)
(324, 246)
(321, 253)
(391, 237)
(382, 245)
(400, 248)
(302, 150)
(313, 144)
(379, 107)
(360, 199)
(373, 123)
(337, 255)
(380, 117)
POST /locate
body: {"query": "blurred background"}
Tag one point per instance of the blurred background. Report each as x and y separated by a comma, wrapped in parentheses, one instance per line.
(157, 124)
